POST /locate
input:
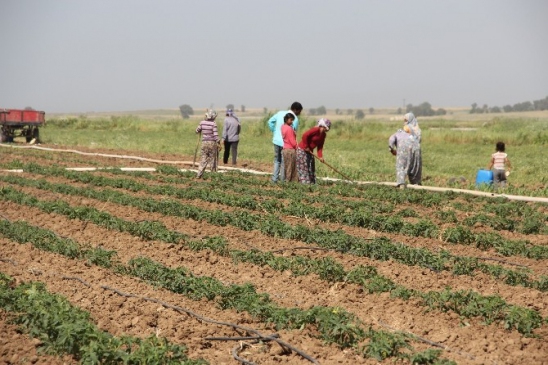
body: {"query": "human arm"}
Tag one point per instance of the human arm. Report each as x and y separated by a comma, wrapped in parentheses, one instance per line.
(225, 130)
(491, 163)
(508, 163)
(199, 128)
(272, 122)
(393, 144)
(320, 148)
(215, 133)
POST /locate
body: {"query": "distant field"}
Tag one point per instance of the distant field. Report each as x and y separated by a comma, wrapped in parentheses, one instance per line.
(454, 145)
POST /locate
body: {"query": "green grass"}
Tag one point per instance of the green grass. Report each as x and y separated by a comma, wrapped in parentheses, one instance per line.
(451, 147)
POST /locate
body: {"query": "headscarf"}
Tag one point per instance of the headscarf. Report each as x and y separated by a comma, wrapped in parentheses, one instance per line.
(413, 124)
(210, 114)
(326, 123)
(230, 113)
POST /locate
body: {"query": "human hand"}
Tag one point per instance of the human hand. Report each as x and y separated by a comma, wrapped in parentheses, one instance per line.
(393, 152)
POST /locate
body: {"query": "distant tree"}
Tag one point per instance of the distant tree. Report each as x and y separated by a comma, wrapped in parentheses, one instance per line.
(317, 111)
(441, 111)
(541, 104)
(337, 111)
(359, 114)
(474, 108)
(265, 110)
(230, 106)
(350, 112)
(425, 109)
(29, 108)
(186, 111)
(371, 110)
(495, 109)
(242, 109)
(399, 111)
(523, 107)
(507, 108)
(485, 108)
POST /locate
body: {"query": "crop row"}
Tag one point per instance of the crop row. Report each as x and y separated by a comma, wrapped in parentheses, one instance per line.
(465, 303)
(357, 215)
(335, 325)
(379, 248)
(66, 330)
(507, 212)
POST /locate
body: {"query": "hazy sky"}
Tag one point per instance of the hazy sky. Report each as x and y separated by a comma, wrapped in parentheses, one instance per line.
(117, 55)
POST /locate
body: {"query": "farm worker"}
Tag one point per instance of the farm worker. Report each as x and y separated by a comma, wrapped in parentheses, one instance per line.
(312, 138)
(499, 160)
(406, 148)
(275, 124)
(231, 136)
(289, 152)
(210, 142)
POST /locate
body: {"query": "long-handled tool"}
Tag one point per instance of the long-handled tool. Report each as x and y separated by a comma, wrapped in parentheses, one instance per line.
(331, 167)
(196, 150)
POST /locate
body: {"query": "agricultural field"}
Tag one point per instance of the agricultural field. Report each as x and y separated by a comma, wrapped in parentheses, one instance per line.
(112, 266)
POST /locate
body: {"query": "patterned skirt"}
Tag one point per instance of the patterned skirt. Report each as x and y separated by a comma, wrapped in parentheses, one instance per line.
(306, 168)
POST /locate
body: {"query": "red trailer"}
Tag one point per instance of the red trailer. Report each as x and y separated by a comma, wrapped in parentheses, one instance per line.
(21, 122)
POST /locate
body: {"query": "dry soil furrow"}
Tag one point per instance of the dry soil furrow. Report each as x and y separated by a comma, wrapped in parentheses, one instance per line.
(304, 291)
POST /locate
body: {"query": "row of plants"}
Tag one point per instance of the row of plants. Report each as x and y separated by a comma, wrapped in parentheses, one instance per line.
(258, 186)
(465, 303)
(354, 216)
(67, 330)
(380, 248)
(334, 324)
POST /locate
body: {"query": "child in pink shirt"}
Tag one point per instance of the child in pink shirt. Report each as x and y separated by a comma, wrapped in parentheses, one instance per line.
(289, 152)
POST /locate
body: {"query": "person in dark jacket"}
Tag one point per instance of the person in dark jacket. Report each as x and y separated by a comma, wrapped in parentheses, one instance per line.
(231, 136)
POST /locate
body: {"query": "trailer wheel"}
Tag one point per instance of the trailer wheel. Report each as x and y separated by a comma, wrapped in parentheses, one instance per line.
(4, 137)
(33, 134)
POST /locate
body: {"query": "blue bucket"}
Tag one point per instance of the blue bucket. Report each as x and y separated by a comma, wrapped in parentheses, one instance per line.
(484, 177)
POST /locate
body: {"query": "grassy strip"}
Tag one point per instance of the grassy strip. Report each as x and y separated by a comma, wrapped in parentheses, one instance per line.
(64, 329)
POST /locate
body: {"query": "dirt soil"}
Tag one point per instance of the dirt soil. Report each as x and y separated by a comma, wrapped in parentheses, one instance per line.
(464, 340)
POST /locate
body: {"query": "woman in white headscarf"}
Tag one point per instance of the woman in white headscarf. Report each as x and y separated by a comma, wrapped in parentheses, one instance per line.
(413, 124)
(406, 145)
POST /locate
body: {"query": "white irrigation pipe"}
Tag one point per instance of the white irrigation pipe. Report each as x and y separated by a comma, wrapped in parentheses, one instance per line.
(152, 169)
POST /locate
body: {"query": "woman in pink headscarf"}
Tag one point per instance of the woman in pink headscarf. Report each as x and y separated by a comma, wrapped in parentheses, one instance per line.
(311, 139)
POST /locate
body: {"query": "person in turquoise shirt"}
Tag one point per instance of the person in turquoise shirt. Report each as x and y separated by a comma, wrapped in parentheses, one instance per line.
(275, 124)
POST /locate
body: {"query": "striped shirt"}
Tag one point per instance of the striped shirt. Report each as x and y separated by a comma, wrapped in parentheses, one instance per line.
(499, 159)
(208, 128)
